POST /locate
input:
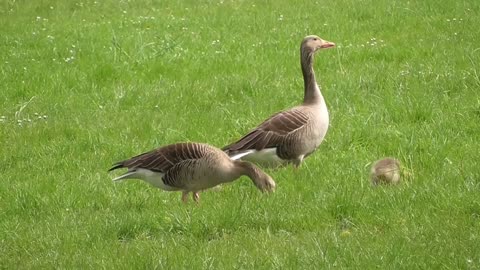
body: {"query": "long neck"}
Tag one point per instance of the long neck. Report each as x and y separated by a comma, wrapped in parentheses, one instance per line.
(249, 170)
(312, 90)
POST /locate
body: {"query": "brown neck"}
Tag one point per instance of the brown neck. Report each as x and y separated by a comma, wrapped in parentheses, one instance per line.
(250, 170)
(312, 90)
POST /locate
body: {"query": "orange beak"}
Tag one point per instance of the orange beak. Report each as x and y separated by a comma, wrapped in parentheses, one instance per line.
(327, 44)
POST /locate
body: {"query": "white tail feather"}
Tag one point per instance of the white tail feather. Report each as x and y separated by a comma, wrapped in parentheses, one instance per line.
(127, 175)
(152, 177)
(240, 155)
(266, 157)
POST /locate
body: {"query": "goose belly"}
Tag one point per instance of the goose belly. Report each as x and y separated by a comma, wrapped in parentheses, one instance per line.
(203, 179)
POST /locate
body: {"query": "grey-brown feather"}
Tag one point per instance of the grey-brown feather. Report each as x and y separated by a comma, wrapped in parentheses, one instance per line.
(164, 158)
(190, 167)
(277, 131)
(293, 133)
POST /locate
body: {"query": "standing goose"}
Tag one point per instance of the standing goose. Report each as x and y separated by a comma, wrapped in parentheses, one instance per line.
(291, 135)
(190, 167)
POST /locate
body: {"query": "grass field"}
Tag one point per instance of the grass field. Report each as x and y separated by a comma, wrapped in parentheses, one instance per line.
(86, 83)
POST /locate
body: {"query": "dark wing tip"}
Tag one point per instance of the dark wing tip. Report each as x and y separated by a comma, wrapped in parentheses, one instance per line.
(116, 166)
(226, 148)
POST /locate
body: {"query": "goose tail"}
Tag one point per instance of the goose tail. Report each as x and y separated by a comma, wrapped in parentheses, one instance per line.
(236, 156)
(127, 175)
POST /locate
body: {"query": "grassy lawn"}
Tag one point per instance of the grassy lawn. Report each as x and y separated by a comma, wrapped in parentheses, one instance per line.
(86, 83)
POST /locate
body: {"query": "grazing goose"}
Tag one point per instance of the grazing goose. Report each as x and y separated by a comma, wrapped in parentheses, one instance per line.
(190, 167)
(291, 135)
(385, 171)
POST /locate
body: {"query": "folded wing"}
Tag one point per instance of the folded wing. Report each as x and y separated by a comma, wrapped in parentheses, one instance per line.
(272, 132)
(164, 158)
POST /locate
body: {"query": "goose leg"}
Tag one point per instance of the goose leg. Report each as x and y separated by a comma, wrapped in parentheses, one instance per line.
(184, 196)
(297, 162)
(196, 196)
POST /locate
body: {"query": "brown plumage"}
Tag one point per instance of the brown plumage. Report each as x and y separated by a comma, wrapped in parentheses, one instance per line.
(291, 135)
(190, 167)
(385, 171)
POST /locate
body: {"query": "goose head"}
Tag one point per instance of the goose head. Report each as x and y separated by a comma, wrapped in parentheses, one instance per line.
(314, 43)
(262, 181)
(265, 183)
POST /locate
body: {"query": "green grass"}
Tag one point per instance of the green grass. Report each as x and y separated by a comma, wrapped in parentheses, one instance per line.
(116, 78)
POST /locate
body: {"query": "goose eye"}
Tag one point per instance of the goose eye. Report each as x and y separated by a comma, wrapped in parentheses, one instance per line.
(315, 39)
